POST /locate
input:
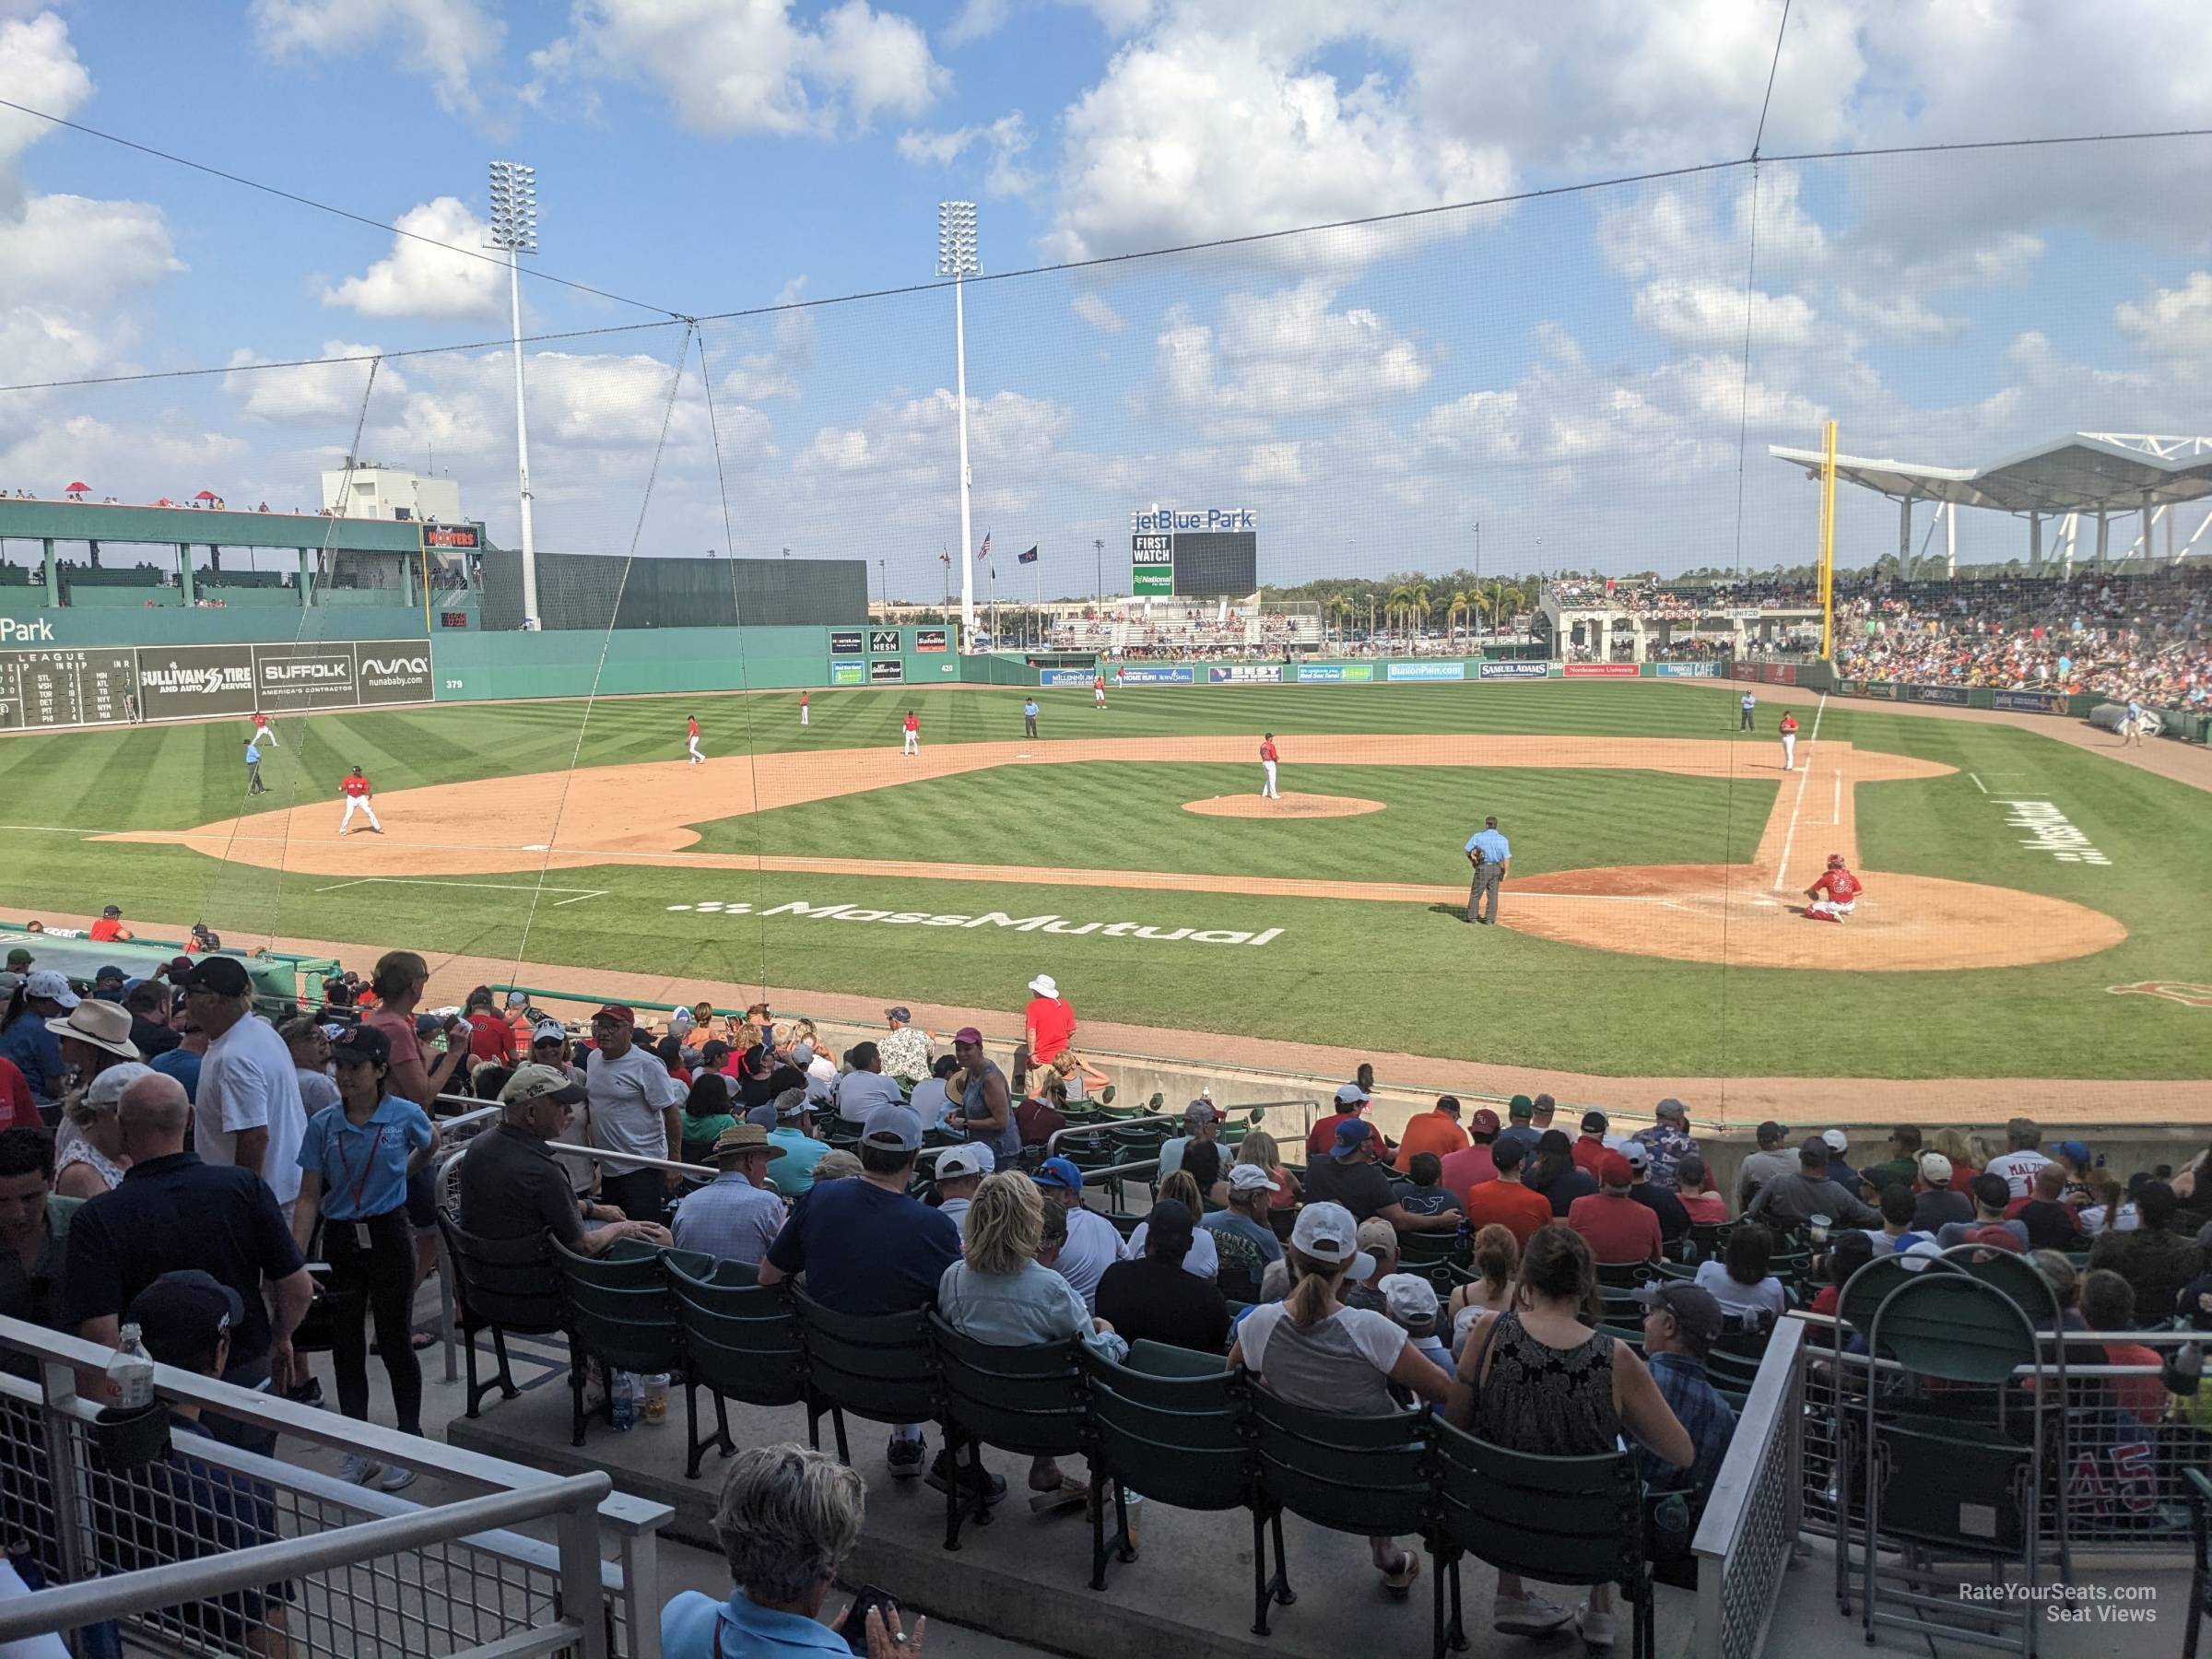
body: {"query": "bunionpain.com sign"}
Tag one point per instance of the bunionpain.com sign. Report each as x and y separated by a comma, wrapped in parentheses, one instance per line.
(1425, 671)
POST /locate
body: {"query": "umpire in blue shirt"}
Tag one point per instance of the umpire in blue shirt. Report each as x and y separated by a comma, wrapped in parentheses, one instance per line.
(1489, 853)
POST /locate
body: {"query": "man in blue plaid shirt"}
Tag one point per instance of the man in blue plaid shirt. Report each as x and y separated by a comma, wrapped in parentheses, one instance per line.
(1680, 1323)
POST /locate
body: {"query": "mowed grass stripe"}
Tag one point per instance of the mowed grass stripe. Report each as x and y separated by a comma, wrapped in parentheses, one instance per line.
(1129, 816)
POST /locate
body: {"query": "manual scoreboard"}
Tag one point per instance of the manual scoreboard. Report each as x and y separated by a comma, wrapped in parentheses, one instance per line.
(66, 687)
(1208, 554)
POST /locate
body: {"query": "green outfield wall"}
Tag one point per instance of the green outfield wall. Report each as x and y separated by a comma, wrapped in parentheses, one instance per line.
(472, 667)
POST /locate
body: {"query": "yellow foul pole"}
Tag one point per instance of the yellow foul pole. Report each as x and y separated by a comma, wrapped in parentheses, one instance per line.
(1827, 549)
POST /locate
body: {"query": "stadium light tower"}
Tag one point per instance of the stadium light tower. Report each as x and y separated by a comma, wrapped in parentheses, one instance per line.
(514, 228)
(957, 258)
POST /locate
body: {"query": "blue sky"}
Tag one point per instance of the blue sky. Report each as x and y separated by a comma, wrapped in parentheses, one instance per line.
(1571, 372)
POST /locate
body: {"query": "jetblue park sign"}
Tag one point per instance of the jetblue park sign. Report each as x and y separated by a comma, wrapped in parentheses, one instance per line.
(1212, 518)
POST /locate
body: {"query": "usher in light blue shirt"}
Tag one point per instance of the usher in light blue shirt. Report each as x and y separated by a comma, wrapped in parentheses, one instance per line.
(1495, 847)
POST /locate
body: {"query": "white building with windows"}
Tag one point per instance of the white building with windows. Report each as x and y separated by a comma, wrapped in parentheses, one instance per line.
(371, 489)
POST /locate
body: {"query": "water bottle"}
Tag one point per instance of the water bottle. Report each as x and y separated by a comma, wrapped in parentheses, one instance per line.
(131, 1374)
(622, 1393)
(656, 1398)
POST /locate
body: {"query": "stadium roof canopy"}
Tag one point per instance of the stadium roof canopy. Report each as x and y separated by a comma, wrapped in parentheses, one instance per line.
(2086, 473)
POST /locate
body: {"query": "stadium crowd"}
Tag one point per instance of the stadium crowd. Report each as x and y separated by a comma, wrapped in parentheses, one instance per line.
(171, 1159)
(2147, 636)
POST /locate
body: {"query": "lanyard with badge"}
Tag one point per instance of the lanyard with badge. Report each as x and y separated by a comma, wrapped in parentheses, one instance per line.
(360, 1182)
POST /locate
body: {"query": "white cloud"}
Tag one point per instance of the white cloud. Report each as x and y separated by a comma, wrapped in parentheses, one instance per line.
(1901, 316)
(416, 279)
(1095, 310)
(727, 69)
(75, 251)
(40, 68)
(447, 41)
(1284, 354)
(313, 392)
(2175, 323)
(760, 375)
(1710, 314)
(1193, 135)
(1007, 139)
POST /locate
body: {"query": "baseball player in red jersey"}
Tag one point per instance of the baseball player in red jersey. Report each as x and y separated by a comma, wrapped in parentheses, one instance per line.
(913, 734)
(802, 701)
(1789, 740)
(358, 792)
(1267, 759)
(1836, 894)
(691, 741)
(261, 730)
(1098, 691)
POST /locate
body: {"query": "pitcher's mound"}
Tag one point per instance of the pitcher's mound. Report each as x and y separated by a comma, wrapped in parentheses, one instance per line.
(1283, 806)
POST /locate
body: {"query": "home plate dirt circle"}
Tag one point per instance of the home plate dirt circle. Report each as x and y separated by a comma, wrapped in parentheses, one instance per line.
(1293, 805)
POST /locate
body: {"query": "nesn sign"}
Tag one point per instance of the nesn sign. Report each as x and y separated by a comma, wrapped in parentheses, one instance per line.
(1212, 518)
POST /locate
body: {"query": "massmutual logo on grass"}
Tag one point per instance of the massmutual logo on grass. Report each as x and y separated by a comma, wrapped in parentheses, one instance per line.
(1046, 923)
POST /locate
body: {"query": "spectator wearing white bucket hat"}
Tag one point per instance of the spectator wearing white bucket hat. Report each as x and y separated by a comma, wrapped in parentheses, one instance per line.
(1048, 1022)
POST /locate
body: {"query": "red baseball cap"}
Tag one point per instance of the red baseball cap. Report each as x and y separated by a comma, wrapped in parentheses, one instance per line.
(616, 1011)
(1613, 1170)
(969, 1034)
(1485, 1120)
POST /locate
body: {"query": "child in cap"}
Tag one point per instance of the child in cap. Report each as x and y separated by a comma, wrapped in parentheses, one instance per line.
(1411, 1300)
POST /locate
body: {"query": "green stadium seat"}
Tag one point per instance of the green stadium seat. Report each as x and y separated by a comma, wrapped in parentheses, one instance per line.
(1028, 1400)
(741, 1342)
(620, 1313)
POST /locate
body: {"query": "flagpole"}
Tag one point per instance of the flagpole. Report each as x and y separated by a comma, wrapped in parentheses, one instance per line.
(1040, 599)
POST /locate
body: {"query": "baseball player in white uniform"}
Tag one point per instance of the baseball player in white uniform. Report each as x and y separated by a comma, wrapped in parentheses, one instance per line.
(357, 792)
(262, 731)
(691, 741)
(1267, 759)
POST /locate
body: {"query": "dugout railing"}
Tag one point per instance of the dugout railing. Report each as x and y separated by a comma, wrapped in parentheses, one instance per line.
(200, 1546)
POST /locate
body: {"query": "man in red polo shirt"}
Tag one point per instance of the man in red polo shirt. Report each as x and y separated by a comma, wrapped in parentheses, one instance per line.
(1438, 1132)
(1619, 1228)
(1473, 1164)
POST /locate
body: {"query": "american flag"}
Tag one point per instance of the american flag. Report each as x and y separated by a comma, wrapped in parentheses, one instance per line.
(983, 552)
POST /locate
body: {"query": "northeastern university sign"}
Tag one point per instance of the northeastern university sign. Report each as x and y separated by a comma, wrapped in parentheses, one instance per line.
(1050, 923)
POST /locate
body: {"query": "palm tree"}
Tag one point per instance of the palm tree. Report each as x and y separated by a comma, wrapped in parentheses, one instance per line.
(1417, 603)
(1453, 606)
(1399, 598)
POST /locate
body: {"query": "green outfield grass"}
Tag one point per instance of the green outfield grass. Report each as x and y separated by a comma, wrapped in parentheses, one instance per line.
(1386, 976)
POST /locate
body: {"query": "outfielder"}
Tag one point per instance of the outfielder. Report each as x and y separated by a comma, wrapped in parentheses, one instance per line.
(1836, 892)
(358, 792)
(691, 741)
(262, 733)
(804, 699)
(1098, 691)
(1789, 740)
(1267, 759)
(913, 734)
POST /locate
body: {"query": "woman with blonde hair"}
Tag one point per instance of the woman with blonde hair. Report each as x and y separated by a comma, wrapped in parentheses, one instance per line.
(1969, 1159)
(1000, 1292)
(1497, 1257)
(88, 1158)
(1259, 1149)
(1311, 1350)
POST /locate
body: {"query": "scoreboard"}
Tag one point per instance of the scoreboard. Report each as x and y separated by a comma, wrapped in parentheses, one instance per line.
(1210, 554)
(66, 687)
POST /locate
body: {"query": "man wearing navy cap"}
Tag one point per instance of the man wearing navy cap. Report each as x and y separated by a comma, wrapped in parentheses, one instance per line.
(870, 1248)
(188, 1319)
(1092, 1245)
(1351, 1176)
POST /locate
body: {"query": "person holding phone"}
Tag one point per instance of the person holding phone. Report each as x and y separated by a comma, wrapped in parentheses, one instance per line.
(787, 1520)
(355, 1161)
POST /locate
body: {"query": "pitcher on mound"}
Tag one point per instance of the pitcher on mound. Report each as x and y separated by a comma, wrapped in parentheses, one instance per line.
(1267, 759)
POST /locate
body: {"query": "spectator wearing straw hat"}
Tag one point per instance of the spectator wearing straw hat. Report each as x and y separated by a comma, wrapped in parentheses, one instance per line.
(94, 1036)
(736, 1216)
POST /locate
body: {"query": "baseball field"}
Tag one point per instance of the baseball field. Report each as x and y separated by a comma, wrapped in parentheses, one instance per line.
(2015, 885)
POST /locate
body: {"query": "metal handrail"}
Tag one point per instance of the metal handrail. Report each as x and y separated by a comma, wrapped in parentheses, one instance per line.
(200, 1578)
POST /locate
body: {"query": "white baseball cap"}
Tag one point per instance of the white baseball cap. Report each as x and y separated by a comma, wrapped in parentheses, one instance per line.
(1412, 1302)
(1351, 1094)
(1935, 1169)
(549, 1030)
(1836, 1140)
(53, 986)
(1251, 1178)
(974, 1159)
(1327, 1232)
(1044, 984)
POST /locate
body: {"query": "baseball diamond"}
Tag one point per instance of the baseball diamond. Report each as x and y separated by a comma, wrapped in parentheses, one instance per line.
(1654, 845)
